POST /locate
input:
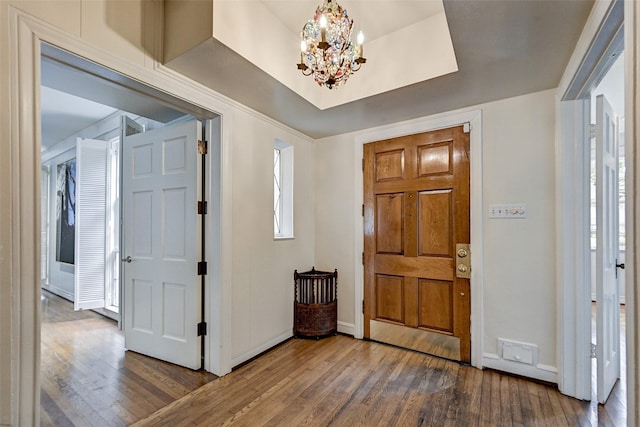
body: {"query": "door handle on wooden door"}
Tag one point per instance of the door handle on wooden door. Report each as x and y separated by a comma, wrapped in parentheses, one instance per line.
(463, 261)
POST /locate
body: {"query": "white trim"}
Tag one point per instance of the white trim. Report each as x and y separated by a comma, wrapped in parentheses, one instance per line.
(591, 27)
(25, 207)
(260, 349)
(346, 328)
(539, 371)
(573, 252)
(632, 153)
(440, 121)
(56, 290)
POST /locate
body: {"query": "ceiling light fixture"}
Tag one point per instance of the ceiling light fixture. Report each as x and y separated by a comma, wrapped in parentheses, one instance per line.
(327, 52)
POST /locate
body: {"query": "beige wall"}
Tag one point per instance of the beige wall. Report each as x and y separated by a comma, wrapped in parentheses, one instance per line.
(519, 265)
(335, 228)
(263, 267)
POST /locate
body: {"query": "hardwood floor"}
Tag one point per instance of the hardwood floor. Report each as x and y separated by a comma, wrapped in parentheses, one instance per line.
(341, 381)
(89, 380)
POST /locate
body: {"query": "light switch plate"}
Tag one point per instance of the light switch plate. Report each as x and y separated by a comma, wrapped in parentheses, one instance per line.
(508, 211)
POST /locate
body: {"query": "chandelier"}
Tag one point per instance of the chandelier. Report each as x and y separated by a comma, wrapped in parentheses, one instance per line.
(327, 52)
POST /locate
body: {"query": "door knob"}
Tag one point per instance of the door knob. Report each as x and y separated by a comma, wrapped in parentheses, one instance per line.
(619, 266)
(127, 259)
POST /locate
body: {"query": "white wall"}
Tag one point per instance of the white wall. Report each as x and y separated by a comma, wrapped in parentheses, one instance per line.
(519, 264)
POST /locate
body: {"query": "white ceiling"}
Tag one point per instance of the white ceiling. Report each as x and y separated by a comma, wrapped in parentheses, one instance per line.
(406, 42)
(376, 18)
(64, 115)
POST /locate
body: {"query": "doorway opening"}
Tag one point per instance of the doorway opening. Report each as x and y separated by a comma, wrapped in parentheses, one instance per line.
(85, 106)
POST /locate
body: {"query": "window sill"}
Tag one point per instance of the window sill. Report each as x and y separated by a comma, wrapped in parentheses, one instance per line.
(276, 238)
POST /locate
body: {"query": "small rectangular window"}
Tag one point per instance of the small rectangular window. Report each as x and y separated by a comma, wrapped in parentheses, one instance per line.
(282, 190)
(277, 192)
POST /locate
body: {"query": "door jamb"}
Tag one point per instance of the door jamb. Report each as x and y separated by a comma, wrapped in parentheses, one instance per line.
(426, 124)
(573, 272)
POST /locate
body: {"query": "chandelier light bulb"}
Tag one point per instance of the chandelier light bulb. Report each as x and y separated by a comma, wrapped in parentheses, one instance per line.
(323, 21)
(359, 43)
(331, 61)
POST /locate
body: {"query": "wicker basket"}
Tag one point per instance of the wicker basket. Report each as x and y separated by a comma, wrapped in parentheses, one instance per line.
(315, 306)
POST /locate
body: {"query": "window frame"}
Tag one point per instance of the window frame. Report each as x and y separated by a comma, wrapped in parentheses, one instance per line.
(283, 205)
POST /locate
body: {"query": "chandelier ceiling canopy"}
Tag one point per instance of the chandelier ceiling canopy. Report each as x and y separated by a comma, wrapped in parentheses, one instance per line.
(326, 50)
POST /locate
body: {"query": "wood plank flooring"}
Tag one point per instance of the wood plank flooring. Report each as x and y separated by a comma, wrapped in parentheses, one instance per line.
(87, 379)
(340, 381)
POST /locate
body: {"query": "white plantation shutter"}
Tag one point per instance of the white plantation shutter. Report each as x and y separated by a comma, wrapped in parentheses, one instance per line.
(91, 223)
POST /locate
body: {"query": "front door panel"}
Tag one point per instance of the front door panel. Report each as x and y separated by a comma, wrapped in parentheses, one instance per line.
(416, 211)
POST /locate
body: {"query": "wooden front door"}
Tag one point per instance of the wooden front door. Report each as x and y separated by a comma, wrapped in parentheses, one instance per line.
(416, 209)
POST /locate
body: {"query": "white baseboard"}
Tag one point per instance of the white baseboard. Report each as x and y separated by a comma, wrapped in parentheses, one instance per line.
(235, 361)
(540, 372)
(58, 291)
(347, 328)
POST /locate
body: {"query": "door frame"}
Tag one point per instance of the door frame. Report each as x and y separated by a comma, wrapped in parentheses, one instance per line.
(439, 121)
(26, 34)
(590, 60)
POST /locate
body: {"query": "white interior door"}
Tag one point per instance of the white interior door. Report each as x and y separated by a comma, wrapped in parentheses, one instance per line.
(607, 299)
(91, 223)
(161, 240)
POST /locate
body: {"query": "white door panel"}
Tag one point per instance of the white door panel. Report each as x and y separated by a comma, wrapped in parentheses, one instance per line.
(161, 235)
(91, 224)
(607, 299)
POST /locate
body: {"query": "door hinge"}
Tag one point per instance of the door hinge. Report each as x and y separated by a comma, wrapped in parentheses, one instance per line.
(593, 351)
(202, 147)
(202, 268)
(202, 329)
(363, 209)
(362, 306)
(202, 208)
(592, 131)
(362, 165)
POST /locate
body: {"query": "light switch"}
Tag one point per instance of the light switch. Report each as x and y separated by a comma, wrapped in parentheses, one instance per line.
(508, 211)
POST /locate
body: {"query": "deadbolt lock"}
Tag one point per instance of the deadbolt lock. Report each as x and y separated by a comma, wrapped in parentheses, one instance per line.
(463, 261)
